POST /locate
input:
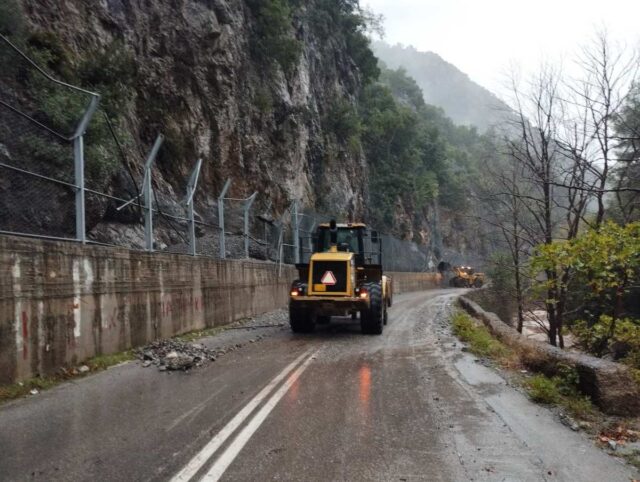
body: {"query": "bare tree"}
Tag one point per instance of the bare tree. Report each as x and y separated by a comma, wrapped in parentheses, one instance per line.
(539, 111)
(600, 96)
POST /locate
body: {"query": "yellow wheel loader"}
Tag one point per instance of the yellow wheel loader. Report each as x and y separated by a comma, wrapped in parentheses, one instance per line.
(343, 277)
(466, 277)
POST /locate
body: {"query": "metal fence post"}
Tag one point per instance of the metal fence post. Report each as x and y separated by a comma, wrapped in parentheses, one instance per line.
(223, 250)
(296, 232)
(247, 207)
(78, 162)
(147, 193)
(191, 190)
(280, 248)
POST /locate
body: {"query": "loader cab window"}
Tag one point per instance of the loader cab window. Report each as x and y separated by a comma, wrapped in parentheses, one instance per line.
(349, 240)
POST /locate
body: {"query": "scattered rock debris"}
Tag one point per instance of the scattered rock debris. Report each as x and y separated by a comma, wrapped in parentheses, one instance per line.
(178, 355)
(616, 436)
(175, 355)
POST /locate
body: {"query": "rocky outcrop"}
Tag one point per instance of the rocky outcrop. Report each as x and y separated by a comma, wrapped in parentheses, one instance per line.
(199, 82)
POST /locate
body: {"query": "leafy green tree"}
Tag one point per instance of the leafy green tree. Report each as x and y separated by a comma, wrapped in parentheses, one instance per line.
(604, 268)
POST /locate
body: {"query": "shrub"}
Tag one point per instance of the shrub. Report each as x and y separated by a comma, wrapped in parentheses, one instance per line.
(543, 390)
(342, 119)
(11, 19)
(560, 390)
(111, 72)
(263, 100)
(273, 37)
(621, 338)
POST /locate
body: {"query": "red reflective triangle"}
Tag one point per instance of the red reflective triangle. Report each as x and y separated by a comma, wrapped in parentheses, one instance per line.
(328, 279)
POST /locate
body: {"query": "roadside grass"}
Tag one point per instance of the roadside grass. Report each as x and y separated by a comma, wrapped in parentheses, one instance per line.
(95, 365)
(560, 390)
(21, 389)
(632, 458)
(102, 362)
(480, 341)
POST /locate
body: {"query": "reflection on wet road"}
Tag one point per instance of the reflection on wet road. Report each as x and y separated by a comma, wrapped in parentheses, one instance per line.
(332, 405)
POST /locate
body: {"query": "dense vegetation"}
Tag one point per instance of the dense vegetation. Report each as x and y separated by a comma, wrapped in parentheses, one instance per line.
(110, 71)
(445, 86)
(566, 199)
(417, 155)
(342, 20)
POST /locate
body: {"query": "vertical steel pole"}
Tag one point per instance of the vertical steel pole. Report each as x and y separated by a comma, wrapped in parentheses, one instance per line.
(296, 232)
(192, 231)
(247, 207)
(223, 250)
(78, 163)
(78, 156)
(148, 210)
(147, 193)
(280, 249)
(191, 190)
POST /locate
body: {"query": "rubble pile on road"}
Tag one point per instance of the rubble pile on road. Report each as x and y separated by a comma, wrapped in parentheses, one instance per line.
(175, 355)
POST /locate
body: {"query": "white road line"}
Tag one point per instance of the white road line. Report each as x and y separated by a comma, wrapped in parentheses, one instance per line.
(214, 444)
(232, 451)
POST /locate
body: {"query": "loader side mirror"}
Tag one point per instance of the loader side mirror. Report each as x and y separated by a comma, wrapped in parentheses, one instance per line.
(375, 237)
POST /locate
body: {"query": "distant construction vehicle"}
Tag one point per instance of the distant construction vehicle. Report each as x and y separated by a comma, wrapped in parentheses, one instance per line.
(343, 277)
(466, 277)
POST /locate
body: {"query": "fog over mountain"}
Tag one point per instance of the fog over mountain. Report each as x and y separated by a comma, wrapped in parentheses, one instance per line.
(445, 86)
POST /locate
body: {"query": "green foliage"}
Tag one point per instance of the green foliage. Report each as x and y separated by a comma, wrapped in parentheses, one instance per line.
(22, 389)
(480, 340)
(40, 383)
(606, 260)
(111, 72)
(604, 267)
(344, 19)
(619, 337)
(343, 120)
(273, 38)
(407, 143)
(263, 100)
(560, 390)
(11, 19)
(543, 390)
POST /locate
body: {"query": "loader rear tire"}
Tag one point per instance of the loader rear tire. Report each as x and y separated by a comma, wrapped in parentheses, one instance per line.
(372, 319)
(301, 319)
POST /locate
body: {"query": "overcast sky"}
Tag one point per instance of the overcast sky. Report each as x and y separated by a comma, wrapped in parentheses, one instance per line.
(483, 37)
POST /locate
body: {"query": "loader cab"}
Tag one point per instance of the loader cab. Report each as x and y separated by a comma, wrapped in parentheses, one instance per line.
(350, 238)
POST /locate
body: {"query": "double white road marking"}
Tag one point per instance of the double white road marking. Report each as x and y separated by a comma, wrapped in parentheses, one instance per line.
(231, 452)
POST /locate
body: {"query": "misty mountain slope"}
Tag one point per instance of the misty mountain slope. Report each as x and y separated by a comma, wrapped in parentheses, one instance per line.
(445, 86)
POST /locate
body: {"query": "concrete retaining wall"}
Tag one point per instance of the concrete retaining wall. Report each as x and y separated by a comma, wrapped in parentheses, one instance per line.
(610, 385)
(62, 303)
(406, 282)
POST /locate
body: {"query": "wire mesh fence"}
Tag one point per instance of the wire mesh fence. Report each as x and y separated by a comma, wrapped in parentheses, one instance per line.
(66, 171)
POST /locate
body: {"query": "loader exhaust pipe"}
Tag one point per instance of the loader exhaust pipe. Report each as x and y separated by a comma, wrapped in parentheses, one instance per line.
(333, 232)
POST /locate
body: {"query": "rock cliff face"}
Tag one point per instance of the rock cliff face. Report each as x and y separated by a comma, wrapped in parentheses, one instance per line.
(197, 71)
(198, 82)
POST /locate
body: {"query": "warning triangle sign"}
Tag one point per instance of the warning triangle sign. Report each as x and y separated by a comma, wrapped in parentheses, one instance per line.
(328, 279)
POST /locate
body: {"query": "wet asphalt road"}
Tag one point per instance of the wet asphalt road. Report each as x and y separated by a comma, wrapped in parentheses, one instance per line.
(333, 405)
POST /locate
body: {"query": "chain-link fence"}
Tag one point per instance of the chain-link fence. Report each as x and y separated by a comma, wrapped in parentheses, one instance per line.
(67, 172)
